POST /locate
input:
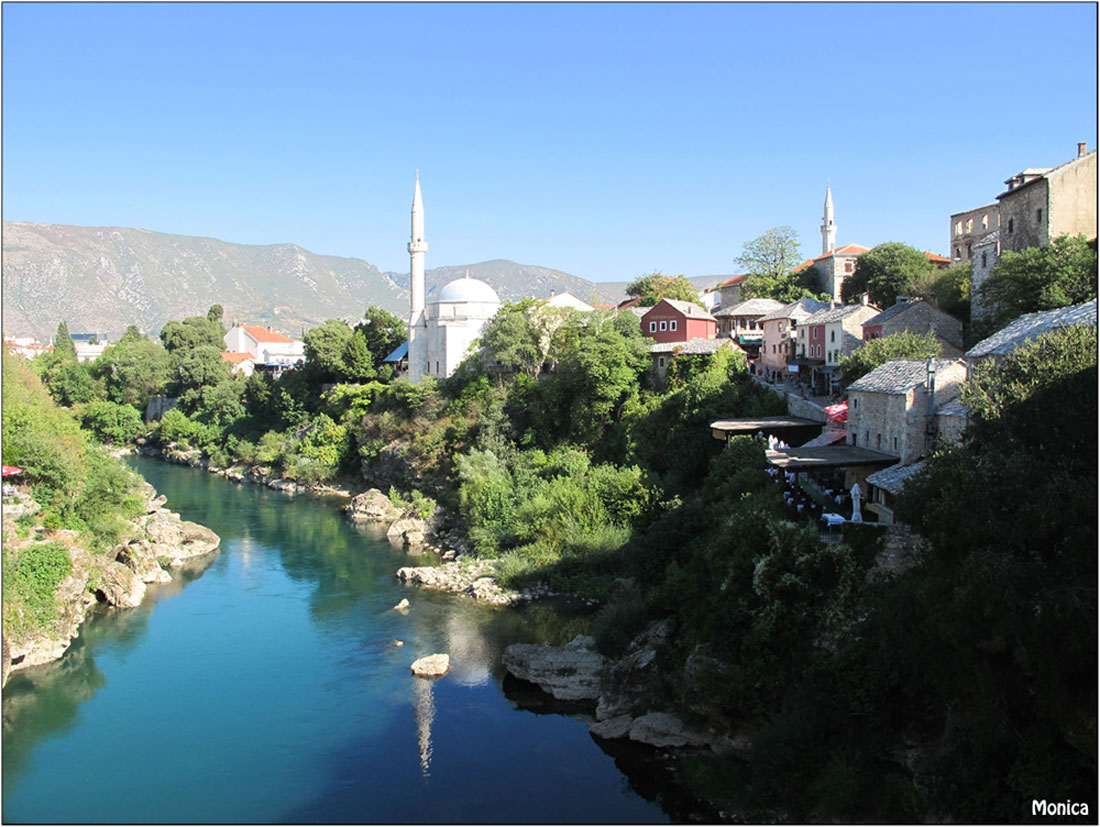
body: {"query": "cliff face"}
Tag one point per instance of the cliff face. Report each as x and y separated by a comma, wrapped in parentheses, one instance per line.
(102, 279)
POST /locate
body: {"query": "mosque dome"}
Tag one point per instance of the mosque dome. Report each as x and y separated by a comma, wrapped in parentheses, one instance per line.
(467, 290)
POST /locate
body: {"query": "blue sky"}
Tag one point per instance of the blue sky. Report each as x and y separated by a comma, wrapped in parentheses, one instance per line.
(606, 140)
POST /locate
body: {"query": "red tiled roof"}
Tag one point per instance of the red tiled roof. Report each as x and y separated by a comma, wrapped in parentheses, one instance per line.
(235, 358)
(934, 257)
(262, 334)
(846, 250)
(734, 280)
(629, 302)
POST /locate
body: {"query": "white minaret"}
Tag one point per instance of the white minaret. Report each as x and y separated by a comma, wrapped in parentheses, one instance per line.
(828, 225)
(418, 247)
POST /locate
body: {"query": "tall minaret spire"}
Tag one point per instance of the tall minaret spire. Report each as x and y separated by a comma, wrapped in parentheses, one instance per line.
(418, 247)
(828, 225)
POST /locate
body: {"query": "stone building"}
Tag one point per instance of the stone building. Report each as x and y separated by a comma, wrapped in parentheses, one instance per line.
(827, 336)
(1042, 204)
(729, 291)
(834, 266)
(967, 227)
(742, 320)
(1029, 326)
(919, 317)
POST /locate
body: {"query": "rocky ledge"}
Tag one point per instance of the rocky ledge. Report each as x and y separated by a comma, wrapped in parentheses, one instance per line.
(473, 579)
(630, 700)
(159, 541)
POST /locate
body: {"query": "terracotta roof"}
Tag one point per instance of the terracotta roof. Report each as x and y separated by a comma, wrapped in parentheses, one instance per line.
(1031, 325)
(934, 257)
(734, 280)
(235, 358)
(625, 303)
(898, 376)
(262, 334)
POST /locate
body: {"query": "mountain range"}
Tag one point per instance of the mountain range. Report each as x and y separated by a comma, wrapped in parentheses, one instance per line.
(102, 279)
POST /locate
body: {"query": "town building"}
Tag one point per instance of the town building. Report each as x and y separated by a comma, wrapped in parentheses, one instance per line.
(729, 291)
(26, 346)
(270, 351)
(893, 410)
(824, 338)
(567, 299)
(1028, 327)
(778, 346)
(970, 226)
(242, 363)
(741, 321)
(672, 320)
(917, 316)
(834, 266)
(1039, 205)
(441, 332)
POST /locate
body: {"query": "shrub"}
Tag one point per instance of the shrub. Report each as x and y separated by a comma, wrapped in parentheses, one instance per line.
(31, 576)
(112, 423)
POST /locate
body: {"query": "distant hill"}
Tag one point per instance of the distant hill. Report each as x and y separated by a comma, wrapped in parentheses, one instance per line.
(514, 281)
(103, 279)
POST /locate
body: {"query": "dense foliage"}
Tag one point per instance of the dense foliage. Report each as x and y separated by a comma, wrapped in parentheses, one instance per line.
(772, 262)
(876, 352)
(887, 271)
(653, 287)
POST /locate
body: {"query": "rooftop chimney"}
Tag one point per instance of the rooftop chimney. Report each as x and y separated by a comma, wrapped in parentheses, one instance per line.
(1082, 149)
(863, 299)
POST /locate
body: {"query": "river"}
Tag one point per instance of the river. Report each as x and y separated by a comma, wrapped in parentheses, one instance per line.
(269, 689)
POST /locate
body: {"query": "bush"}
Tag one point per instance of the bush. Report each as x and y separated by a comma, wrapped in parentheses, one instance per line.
(175, 426)
(31, 577)
(112, 423)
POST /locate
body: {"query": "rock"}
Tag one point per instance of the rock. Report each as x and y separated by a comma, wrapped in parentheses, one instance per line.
(142, 560)
(569, 673)
(156, 504)
(473, 580)
(403, 606)
(410, 529)
(372, 505)
(633, 683)
(399, 643)
(284, 485)
(431, 666)
(663, 729)
(701, 672)
(613, 727)
(119, 585)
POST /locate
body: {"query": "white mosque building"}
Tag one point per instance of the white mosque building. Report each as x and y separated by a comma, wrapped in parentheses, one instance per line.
(441, 333)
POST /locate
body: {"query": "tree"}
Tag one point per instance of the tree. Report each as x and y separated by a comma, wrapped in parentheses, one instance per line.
(770, 260)
(886, 272)
(324, 347)
(134, 369)
(358, 364)
(214, 314)
(511, 341)
(951, 290)
(112, 423)
(653, 287)
(63, 343)
(1041, 278)
(203, 366)
(192, 332)
(382, 331)
(903, 345)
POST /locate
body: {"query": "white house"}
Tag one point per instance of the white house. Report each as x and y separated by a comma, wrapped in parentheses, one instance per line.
(265, 346)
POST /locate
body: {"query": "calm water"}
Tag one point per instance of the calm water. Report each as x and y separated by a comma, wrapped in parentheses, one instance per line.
(268, 689)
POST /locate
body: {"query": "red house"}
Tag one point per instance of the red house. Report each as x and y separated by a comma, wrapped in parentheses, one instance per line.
(671, 320)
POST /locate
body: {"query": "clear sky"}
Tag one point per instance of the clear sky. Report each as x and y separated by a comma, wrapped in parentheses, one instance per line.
(606, 140)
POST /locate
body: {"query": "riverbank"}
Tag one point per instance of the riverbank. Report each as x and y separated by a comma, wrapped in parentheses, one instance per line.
(158, 544)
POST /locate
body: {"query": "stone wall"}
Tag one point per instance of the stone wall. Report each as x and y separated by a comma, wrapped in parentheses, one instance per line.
(158, 406)
(1073, 200)
(1021, 225)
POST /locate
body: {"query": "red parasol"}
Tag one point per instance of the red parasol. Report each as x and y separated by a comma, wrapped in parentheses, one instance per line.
(9, 470)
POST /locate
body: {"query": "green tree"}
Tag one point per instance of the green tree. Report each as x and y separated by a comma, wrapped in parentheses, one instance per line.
(1041, 278)
(887, 271)
(63, 343)
(770, 261)
(325, 346)
(876, 352)
(512, 342)
(382, 331)
(951, 290)
(112, 423)
(214, 314)
(653, 287)
(134, 369)
(203, 365)
(192, 332)
(358, 365)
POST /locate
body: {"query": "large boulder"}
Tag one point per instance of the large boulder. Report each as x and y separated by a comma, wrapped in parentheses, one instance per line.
(177, 540)
(139, 556)
(663, 729)
(431, 666)
(372, 505)
(119, 585)
(410, 530)
(570, 673)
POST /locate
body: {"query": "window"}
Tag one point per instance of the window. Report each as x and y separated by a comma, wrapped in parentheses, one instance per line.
(983, 260)
(1039, 216)
(958, 253)
(985, 221)
(847, 267)
(672, 325)
(437, 367)
(664, 325)
(1010, 225)
(878, 440)
(832, 335)
(958, 228)
(969, 225)
(661, 361)
(652, 327)
(855, 440)
(855, 402)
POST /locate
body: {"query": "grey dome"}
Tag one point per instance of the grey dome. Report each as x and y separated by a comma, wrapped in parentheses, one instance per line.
(467, 290)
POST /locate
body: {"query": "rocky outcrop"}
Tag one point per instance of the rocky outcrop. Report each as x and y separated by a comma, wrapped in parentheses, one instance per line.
(372, 505)
(572, 672)
(473, 579)
(431, 666)
(633, 683)
(409, 530)
(159, 539)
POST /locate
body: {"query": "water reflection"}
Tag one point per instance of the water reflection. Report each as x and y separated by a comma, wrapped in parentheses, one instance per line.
(424, 708)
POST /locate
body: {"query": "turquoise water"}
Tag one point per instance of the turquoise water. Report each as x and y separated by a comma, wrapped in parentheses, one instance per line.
(268, 689)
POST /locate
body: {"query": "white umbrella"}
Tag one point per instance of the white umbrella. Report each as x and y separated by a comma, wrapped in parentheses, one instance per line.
(857, 497)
